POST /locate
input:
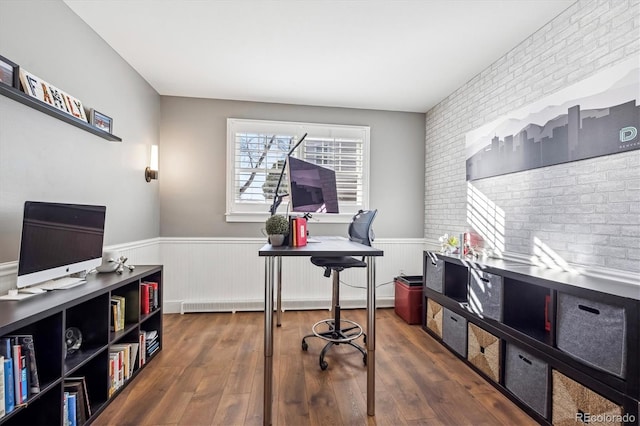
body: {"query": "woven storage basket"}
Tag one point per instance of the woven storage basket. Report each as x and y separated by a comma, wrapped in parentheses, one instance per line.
(484, 351)
(570, 399)
(434, 317)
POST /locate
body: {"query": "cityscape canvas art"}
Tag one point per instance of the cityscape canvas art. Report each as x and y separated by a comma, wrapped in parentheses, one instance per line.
(597, 116)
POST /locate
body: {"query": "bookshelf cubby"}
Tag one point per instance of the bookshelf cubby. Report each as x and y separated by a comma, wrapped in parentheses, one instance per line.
(88, 308)
(552, 336)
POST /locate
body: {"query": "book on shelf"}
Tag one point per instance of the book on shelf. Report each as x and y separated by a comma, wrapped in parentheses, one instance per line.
(153, 295)
(118, 314)
(144, 298)
(78, 385)
(112, 383)
(9, 392)
(133, 357)
(20, 386)
(2, 402)
(29, 352)
(65, 409)
(141, 348)
(125, 348)
(72, 407)
(114, 322)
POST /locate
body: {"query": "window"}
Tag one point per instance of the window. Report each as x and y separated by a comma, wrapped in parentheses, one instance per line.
(256, 151)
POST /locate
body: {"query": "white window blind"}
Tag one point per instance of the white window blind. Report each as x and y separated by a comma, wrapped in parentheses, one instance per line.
(256, 152)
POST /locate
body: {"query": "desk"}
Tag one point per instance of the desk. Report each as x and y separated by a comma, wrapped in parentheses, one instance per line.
(326, 247)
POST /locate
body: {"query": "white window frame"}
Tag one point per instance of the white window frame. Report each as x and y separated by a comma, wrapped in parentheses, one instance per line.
(259, 211)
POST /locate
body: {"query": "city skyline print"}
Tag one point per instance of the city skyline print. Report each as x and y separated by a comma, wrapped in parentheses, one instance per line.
(596, 116)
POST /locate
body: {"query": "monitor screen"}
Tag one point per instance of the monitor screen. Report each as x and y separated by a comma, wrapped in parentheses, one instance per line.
(58, 240)
(312, 188)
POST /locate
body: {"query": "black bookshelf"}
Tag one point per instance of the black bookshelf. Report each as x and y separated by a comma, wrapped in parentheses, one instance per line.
(29, 101)
(88, 308)
(566, 338)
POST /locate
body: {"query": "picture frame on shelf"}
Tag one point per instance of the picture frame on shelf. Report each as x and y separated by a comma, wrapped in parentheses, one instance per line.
(101, 121)
(9, 73)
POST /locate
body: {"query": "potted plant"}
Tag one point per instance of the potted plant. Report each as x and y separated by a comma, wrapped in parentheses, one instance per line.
(277, 227)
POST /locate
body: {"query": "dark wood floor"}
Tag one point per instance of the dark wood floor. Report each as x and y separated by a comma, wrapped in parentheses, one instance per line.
(210, 372)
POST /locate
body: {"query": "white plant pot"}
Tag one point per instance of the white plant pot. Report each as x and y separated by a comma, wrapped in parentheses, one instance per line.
(276, 240)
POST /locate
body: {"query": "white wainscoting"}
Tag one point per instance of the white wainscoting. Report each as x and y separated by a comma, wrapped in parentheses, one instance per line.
(143, 252)
(226, 274)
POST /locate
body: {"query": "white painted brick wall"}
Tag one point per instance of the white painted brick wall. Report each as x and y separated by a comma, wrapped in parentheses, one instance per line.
(587, 212)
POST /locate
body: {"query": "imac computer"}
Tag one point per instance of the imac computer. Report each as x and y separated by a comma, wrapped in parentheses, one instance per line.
(312, 188)
(59, 240)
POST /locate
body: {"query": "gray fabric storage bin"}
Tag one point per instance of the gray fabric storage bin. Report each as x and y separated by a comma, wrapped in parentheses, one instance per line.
(435, 273)
(593, 332)
(454, 332)
(526, 377)
(485, 294)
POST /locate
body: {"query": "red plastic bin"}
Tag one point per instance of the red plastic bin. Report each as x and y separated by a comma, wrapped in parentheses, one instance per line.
(408, 298)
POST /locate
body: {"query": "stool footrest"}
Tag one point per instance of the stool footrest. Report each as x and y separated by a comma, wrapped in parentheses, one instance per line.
(338, 334)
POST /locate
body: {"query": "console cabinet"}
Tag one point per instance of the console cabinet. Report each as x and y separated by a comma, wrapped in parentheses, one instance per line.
(563, 346)
(88, 308)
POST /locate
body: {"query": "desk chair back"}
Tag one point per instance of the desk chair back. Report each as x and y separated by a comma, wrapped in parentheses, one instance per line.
(360, 229)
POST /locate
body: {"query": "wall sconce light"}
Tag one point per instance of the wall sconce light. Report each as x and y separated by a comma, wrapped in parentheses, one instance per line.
(151, 172)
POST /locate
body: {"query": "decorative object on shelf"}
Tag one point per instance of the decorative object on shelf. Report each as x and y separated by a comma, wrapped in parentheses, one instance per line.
(121, 265)
(72, 340)
(9, 73)
(151, 172)
(51, 95)
(101, 121)
(448, 244)
(112, 262)
(277, 227)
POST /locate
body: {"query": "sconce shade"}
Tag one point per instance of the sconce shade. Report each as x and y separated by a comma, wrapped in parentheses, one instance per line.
(151, 172)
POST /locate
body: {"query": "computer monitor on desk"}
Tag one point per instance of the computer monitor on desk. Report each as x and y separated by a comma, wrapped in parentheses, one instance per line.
(312, 188)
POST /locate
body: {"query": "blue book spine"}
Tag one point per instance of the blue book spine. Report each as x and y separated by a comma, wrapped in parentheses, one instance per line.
(24, 387)
(71, 405)
(9, 398)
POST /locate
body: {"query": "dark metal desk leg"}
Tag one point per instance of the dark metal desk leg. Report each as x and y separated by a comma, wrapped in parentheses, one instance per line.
(279, 296)
(268, 340)
(371, 335)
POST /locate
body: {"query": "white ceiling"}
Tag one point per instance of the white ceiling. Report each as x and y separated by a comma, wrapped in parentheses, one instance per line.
(402, 55)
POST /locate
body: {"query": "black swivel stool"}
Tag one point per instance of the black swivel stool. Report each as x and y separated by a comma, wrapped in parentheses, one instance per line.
(360, 231)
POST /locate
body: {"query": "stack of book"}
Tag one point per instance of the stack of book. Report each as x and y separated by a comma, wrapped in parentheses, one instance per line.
(122, 362)
(297, 231)
(19, 371)
(76, 401)
(152, 344)
(148, 297)
(117, 313)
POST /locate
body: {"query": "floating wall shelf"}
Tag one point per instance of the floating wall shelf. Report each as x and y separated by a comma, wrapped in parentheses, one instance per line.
(27, 100)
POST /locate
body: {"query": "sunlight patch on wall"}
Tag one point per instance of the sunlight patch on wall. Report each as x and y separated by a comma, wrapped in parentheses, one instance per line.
(486, 218)
(543, 255)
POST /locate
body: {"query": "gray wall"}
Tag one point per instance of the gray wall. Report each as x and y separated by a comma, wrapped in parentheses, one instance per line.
(43, 158)
(587, 212)
(193, 165)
